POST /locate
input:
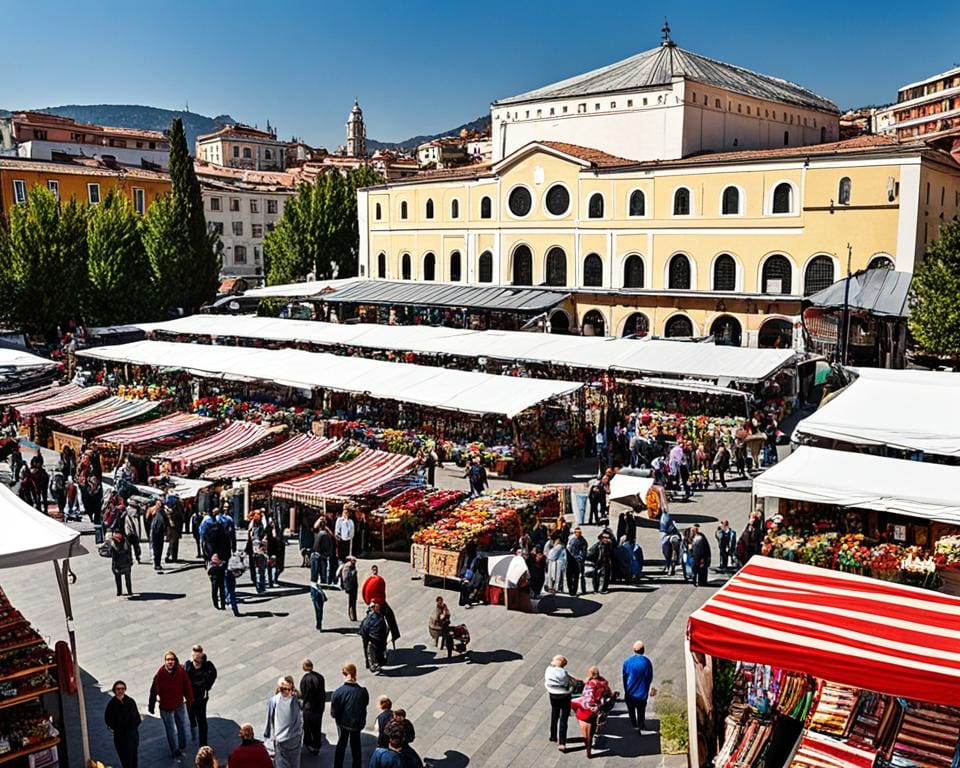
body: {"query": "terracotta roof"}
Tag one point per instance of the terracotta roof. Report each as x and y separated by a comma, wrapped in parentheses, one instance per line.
(593, 156)
(151, 135)
(211, 172)
(240, 132)
(460, 172)
(82, 167)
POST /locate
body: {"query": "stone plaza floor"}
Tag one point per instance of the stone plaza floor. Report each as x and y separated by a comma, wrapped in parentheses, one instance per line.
(492, 711)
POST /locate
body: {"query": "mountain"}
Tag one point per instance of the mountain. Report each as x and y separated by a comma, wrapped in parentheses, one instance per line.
(141, 117)
(482, 123)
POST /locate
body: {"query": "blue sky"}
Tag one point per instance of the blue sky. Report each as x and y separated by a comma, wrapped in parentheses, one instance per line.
(421, 67)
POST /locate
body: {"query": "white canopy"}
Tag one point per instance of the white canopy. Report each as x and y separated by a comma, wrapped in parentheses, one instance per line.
(507, 571)
(909, 410)
(462, 391)
(299, 290)
(859, 480)
(628, 486)
(31, 537)
(20, 358)
(644, 356)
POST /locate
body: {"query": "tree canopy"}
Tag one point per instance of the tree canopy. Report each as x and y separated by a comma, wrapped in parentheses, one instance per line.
(935, 295)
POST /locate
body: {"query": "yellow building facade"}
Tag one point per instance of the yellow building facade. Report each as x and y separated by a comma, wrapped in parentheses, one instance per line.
(721, 243)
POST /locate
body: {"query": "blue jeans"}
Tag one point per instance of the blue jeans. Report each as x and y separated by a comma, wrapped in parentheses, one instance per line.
(230, 591)
(178, 717)
(318, 601)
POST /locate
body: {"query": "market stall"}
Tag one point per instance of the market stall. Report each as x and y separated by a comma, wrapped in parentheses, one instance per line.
(167, 431)
(235, 439)
(20, 369)
(870, 514)
(30, 395)
(293, 455)
(789, 665)
(76, 426)
(30, 415)
(392, 525)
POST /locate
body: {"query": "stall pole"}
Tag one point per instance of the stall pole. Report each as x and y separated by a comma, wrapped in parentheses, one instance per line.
(845, 327)
(694, 747)
(64, 574)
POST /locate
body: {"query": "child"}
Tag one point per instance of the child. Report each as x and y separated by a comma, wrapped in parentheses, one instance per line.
(258, 568)
(385, 716)
(319, 597)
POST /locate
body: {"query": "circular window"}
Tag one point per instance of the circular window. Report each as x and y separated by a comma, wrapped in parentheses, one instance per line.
(520, 201)
(558, 200)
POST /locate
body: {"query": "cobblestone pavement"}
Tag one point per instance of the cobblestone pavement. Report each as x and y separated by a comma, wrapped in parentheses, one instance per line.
(491, 712)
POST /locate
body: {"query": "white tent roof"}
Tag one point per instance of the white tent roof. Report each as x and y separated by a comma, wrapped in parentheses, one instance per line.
(860, 480)
(30, 536)
(910, 410)
(646, 356)
(20, 358)
(467, 392)
(299, 290)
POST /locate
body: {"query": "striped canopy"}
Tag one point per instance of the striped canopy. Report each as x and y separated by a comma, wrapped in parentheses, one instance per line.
(105, 413)
(294, 454)
(70, 396)
(850, 629)
(32, 395)
(238, 437)
(346, 480)
(157, 429)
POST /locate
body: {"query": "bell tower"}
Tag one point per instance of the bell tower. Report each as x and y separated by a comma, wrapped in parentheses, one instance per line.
(356, 132)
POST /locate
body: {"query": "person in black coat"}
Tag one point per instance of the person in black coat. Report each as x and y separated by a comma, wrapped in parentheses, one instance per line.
(601, 554)
(123, 719)
(313, 696)
(700, 554)
(374, 631)
(202, 674)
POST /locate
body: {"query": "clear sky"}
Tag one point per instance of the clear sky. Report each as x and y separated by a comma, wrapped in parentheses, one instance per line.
(422, 67)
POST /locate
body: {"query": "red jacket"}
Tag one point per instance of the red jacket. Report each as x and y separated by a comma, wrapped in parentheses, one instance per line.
(374, 590)
(171, 688)
(250, 754)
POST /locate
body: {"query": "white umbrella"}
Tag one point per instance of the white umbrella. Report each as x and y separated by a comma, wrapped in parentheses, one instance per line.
(508, 571)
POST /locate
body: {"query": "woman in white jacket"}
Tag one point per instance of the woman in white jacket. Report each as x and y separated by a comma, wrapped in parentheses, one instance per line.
(559, 684)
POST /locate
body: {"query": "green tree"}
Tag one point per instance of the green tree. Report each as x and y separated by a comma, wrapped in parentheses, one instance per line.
(200, 262)
(43, 262)
(935, 295)
(318, 231)
(165, 243)
(120, 281)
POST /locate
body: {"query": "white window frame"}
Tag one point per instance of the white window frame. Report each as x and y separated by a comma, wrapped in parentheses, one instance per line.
(91, 186)
(741, 198)
(546, 211)
(506, 202)
(19, 191)
(794, 198)
(54, 186)
(141, 193)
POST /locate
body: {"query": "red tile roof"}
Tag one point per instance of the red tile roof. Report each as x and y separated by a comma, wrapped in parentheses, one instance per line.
(82, 166)
(593, 156)
(239, 132)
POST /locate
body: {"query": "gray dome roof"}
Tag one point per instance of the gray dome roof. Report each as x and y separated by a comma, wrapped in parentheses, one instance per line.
(659, 66)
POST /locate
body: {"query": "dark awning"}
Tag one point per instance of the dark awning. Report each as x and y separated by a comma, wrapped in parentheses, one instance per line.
(878, 291)
(495, 298)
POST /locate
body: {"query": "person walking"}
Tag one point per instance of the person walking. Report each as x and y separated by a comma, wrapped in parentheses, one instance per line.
(202, 674)
(700, 556)
(556, 564)
(156, 523)
(596, 694)
(172, 689)
(439, 625)
(477, 477)
(348, 706)
(374, 590)
(58, 488)
(250, 753)
(637, 678)
(323, 558)
(318, 597)
(344, 531)
(727, 544)
(123, 720)
(347, 575)
(559, 685)
(373, 633)
(576, 561)
(285, 724)
(173, 510)
(721, 463)
(313, 697)
(121, 560)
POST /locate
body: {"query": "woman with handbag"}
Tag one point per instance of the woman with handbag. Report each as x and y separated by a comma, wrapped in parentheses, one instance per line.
(587, 707)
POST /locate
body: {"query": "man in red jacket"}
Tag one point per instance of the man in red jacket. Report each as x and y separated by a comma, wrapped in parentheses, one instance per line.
(374, 590)
(173, 689)
(251, 753)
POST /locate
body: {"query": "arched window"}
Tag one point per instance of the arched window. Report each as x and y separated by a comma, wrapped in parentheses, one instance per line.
(633, 272)
(775, 333)
(267, 154)
(637, 325)
(725, 273)
(880, 262)
(454, 209)
(593, 271)
(522, 266)
(485, 268)
(455, 267)
(678, 274)
(638, 203)
(377, 212)
(429, 211)
(818, 275)
(403, 209)
(776, 275)
(681, 202)
(485, 208)
(382, 265)
(678, 326)
(593, 324)
(783, 198)
(595, 206)
(843, 193)
(405, 266)
(731, 202)
(429, 267)
(726, 331)
(556, 267)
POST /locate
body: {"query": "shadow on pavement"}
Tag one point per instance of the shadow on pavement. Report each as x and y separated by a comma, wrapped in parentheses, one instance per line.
(493, 657)
(413, 662)
(452, 759)
(262, 614)
(143, 596)
(564, 607)
(620, 738)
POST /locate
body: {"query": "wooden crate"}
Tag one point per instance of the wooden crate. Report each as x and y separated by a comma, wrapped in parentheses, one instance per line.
(443, 562)
(419, 556)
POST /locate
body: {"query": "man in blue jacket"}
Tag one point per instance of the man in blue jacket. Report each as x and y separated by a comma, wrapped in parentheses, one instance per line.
(637, 677)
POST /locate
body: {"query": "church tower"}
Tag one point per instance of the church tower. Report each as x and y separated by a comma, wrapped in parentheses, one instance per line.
(356, 133)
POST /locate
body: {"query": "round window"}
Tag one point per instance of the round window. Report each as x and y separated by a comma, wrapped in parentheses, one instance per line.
(520, 201)
(558, 200)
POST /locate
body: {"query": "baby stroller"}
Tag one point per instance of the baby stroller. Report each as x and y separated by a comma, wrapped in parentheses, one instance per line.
(461, 638)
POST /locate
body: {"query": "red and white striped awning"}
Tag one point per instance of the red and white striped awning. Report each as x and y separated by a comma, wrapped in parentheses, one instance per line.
(346, 480)
(33, 395)
(69, 396)
(295, 454)
(237, 438)
(103, 414)
(850, 629)
(156, 429)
